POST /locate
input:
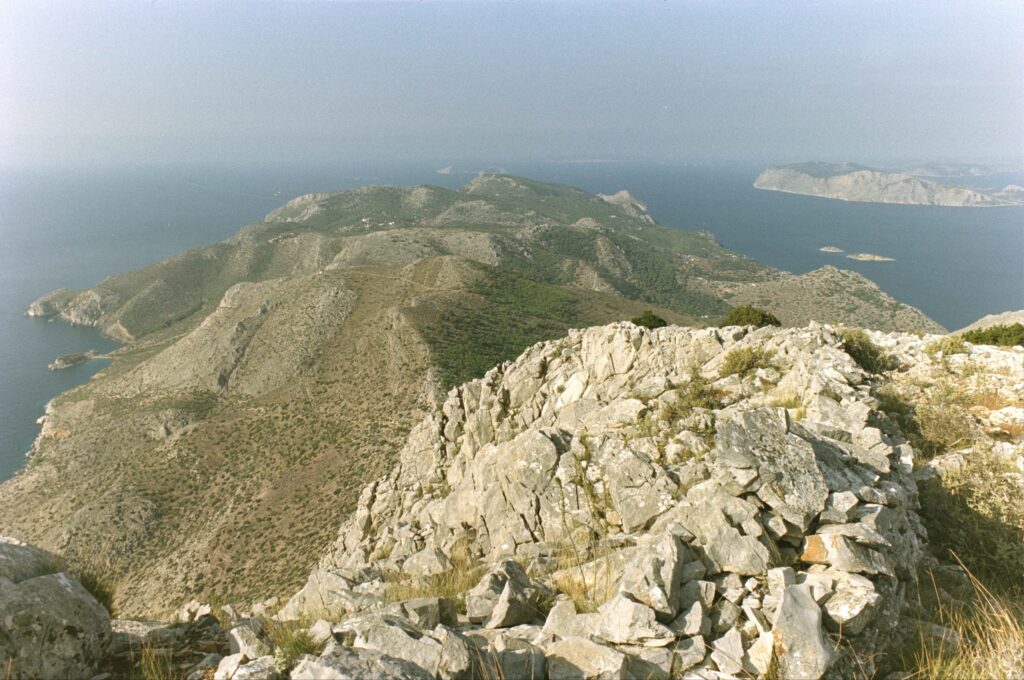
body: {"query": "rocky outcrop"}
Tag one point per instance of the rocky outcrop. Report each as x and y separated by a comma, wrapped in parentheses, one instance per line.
(50, 626)
(851, 182)
(719, 525)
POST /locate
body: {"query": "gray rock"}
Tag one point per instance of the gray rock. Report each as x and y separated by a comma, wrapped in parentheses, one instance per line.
(853, 605)
(649, 663)
(838, 551)
(518, 605)
(427, 612)
(688, 653)
(509, 657)
(654, 576)
(579, 659)
(626, 622)
(248, 638)
(326, 595)
(727, 652)
(50, 626)
(344, 663)
(263, 668)
(800, 642)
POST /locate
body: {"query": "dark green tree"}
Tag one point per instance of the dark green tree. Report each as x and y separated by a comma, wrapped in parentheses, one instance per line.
(650, 320)
(749, 316)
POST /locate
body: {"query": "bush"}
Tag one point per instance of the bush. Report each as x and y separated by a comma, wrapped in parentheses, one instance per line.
(949, 345)
(867, 354)
(976, 513)
(749, 316)
(650, 320)
(745, 360)
(1003, 336)
(698, 393)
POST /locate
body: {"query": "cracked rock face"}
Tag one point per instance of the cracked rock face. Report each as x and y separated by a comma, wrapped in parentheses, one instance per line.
(731, 534)
(50, 626)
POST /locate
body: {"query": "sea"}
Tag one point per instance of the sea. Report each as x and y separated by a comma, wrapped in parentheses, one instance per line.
(73, 227)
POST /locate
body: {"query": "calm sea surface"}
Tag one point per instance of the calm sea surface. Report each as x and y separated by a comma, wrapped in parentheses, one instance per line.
(73, 228)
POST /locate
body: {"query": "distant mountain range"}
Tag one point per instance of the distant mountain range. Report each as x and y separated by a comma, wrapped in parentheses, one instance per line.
(852, 182)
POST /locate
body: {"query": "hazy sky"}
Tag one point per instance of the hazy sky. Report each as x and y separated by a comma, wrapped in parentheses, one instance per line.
(289, 82)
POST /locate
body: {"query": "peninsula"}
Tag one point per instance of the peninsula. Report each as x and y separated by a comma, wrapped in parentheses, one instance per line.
(853, 182)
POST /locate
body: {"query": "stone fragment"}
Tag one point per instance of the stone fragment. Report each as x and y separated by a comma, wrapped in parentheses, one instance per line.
(758, 658)
(579, 659)
(689, 653)
(853, 605)
(727, 652)
(521, 599)
(626, 622)
(247, 637)
(654, 576)
(840, 552)
(801, 647)
(345, 663)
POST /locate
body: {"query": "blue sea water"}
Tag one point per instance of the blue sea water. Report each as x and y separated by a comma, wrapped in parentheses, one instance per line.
(71, 228)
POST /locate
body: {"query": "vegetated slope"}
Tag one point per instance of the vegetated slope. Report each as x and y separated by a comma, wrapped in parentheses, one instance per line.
(268, 377)
(851, 182)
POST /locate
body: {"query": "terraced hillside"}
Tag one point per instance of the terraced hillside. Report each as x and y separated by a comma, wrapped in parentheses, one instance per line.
(266, 379)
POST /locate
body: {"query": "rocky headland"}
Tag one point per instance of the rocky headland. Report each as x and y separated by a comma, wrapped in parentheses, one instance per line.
(852, 182)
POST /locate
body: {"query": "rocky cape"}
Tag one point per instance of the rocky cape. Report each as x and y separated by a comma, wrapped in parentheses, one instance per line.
(852, 182)
(616, 503)
(264, 380)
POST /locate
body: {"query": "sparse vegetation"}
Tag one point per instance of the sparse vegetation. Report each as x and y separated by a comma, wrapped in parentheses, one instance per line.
(649, 320)
(947, 346)
(747, 315)
(985, 637)
(291, 640)
(453, 583)
(1003, 336)
(976, 513)
(743, 361)
(867, 354)
(697, 393)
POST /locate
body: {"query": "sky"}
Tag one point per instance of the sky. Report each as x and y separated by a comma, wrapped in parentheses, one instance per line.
(114, 83)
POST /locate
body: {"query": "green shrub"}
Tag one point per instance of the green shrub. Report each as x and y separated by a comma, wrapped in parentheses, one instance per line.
(698, 393)
(650, 320)
(867, 354)
(749, 316)
(291, 640)
(976, 513)
(743, 361)
(1003, 336)
(951, 344)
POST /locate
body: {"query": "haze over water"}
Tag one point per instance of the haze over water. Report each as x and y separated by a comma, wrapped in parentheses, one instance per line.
(73, 228)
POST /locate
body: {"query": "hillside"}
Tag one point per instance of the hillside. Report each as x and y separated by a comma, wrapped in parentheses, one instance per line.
(851, 182)
(265, 379)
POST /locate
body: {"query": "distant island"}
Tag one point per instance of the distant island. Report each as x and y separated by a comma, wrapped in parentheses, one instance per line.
(869, 257)
(852, 182)
(830, 249)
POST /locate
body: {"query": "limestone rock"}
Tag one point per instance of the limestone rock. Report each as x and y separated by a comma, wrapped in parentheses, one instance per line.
(579, 659)
(50, 626)
(800, 642)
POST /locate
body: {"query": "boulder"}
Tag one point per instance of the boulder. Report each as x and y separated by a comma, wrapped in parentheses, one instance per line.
(503, 597)
(626, 622)
(50, 626)
(579, 659)
(344, 663)
(801, 648)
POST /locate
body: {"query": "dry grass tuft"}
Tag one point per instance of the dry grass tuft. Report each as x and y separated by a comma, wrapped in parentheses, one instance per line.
(986, 640)
(465, 573)
(743, 361)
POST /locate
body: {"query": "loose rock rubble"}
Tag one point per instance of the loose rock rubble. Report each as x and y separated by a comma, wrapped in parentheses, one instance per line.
(610, 506)
(745, 539)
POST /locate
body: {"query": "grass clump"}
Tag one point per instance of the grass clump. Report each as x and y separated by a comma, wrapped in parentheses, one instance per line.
(975, 512)
(464, 573)
(867, 354)
(987, 639)
(649, 320)
(947, 346)
(291, 640)
(747, 315)
(743, 361)
(938, 424)
(97, 585)
(1002, 336)
(697, 393)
